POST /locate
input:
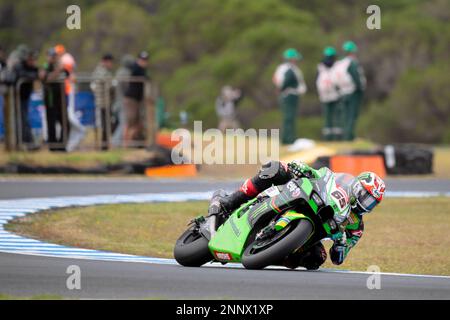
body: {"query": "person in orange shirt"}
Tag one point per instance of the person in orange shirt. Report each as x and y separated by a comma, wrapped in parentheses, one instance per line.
(77, 130)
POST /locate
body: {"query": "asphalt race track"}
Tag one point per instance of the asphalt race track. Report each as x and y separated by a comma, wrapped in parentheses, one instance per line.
(26, 275)
(21, 188)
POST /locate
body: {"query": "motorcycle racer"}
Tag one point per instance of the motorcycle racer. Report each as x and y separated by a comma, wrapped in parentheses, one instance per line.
(353, 197)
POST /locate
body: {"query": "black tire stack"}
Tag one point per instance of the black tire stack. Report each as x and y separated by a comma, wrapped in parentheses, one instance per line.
(408, 159)
(399, 159)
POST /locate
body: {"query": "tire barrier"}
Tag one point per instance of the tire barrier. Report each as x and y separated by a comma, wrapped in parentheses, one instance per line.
(404, 159)
(354, 164)
(178, 170)
(408, 159)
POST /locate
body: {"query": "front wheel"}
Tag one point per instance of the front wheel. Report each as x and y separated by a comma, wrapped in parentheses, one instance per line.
(191, 249)
(260, 254)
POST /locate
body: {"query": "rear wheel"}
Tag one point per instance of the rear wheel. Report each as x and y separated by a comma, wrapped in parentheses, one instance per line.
(262, 253)
(191, 249)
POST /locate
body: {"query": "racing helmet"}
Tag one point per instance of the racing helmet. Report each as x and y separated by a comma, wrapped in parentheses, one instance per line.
(367, 192)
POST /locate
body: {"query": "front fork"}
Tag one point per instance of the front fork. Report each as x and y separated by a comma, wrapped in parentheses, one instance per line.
(205, 226)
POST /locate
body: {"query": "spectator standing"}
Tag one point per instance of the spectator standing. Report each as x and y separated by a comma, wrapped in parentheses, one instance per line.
(2, 71)
(352, 84)
(226, 108)
(133, 99)
(53, 76)
(329, 95)
(17, 56)
(25, 72)
(2, 59)
(3, 88)
(289, 81)
(121, 84)
(161, 114)
(102, 87)
(77, 130)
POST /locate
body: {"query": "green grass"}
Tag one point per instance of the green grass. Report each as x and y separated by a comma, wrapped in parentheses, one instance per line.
(442, 162)
(36, 297)
(403, 235)
(79, 159)
(143, 229)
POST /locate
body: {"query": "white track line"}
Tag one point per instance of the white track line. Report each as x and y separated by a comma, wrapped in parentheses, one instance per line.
(12, 243)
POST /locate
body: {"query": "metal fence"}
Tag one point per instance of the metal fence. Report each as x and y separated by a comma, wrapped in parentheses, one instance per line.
(96, 114)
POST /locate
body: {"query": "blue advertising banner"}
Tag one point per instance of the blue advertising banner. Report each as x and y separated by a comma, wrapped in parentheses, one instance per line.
(84, 104)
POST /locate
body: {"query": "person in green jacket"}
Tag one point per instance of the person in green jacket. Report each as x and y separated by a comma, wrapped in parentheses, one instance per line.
(290, 84)
(352, 84)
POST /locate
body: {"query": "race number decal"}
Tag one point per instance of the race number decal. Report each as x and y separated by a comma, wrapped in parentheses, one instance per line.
(341, 197)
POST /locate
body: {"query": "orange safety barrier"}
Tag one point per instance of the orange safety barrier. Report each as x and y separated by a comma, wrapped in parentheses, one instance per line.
(179, 170)
(355, 164)
(165, 140)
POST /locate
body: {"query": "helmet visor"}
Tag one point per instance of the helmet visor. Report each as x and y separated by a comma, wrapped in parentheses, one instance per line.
(365, 202)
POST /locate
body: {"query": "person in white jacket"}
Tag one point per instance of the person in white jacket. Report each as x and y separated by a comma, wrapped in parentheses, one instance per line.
(288, 79)
(329, 95)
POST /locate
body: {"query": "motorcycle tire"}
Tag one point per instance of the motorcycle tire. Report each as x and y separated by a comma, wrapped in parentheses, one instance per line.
(296, 237)
(191, 249)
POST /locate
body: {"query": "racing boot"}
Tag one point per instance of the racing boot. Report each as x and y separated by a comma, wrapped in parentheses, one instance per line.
(222, 204)
(272, 173)
(311, 259)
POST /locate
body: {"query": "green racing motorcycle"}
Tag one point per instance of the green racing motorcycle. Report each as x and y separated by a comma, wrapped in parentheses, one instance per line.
(264, 231)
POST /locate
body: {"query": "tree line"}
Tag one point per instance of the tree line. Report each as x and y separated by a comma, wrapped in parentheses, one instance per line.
(198, 46)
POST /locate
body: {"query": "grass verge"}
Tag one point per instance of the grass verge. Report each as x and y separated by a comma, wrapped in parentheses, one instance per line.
(79, 159)
(404, 235)
(37, 297)
(442, 162)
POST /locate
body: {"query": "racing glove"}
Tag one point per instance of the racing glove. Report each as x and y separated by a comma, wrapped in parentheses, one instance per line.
(299, 169)
(337, 252)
